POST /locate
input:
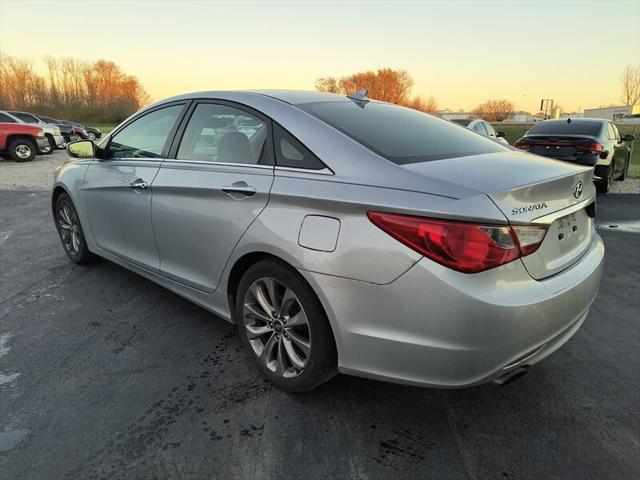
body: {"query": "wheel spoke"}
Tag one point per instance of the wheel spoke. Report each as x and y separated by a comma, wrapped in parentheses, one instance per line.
(301, 342)
(288, 299)
(293, 356)
(65, 216)
(252, 311)
(267, 351)
(272, 291)
(261, 297)
(257, 331)
(281, 368)
(297, 320)
(75, 241)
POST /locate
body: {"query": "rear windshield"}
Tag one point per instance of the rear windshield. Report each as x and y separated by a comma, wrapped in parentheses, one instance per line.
(462, 122)
(401, 135)
(576, 127)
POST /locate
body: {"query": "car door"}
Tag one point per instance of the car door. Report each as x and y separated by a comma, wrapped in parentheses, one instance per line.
(215, 183)
(620, 150)
(118, 185)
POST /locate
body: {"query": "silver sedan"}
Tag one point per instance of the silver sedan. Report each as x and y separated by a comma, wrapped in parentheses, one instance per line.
(342, 234)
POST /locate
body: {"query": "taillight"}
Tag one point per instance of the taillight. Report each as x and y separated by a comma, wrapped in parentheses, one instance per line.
(463, 246)
(522, 144)
(589, 147)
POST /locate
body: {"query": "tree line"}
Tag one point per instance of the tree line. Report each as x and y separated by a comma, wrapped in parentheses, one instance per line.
(386, 84)
(83, 91)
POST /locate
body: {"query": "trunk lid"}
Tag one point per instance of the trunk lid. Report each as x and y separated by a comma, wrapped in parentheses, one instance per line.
(565, 147)
(530, 189)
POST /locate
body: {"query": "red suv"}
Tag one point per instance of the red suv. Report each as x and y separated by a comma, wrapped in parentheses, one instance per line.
(21, 141)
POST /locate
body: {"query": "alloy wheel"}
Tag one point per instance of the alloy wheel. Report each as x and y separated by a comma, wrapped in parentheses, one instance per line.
(69, 228)
(23, 151)
(91, 136)
(277, 327)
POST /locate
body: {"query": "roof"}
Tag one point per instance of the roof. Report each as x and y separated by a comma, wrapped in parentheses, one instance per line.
(575, 119)
(298, 97)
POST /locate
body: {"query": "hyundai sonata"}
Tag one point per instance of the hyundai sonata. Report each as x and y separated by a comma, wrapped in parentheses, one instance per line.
(342, 234)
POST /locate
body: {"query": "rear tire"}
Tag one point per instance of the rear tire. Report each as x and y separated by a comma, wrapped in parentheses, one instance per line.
(70, 231)
(23, 150)
(625, 171)
(603, 185)
(295, 356)
(52, 146)
(91, 136)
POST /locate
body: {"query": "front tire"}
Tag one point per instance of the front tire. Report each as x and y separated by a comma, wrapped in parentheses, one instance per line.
(284, 327)
(70, 231)
(23, 150)
(625, 171)
(91, 136)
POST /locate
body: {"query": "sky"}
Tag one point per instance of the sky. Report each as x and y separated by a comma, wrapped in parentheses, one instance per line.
(461, 52)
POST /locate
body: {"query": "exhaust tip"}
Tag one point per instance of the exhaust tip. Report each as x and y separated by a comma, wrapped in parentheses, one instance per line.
(511, 376)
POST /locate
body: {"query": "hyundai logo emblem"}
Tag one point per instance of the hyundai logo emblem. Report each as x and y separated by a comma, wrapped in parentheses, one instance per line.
(577, 190)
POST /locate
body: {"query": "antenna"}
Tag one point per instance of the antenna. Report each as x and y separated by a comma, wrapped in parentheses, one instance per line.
(360, 95)
(569, 120)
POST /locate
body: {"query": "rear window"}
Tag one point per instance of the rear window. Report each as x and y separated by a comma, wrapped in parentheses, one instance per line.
(401, 135)
(576, 127)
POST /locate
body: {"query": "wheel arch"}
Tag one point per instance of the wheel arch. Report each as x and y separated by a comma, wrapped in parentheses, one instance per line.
(243, 263)
(18, 136)
(57, 191)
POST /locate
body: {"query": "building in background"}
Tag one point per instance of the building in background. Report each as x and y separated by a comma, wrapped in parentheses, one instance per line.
(612, 113)
(449, 115)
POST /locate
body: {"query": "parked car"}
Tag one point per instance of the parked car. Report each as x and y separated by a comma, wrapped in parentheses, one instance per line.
(592, 142)
(342, 234)
(21, 141)
(70, 132)
(6, 117)
(91, 133)
(55, 134)
(483, 128)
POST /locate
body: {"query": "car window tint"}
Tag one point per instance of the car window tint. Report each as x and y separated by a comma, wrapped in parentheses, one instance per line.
(401, 135)
(479, 127)
(559, 127)
(146, 136)
(6, 118)
(490, 129)
(616, 132)
(220, 133)
(25, 117)
(291, 153)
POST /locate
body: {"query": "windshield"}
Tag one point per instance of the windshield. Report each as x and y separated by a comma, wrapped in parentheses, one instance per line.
(25, 117)
(575, 127)
(401, 135)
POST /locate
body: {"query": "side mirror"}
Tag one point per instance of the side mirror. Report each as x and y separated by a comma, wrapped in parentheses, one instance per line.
(81, 149)
(502, 134)
(628, 138)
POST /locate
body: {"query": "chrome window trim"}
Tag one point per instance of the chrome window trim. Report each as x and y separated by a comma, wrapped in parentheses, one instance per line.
(230, 164)
(324, 171)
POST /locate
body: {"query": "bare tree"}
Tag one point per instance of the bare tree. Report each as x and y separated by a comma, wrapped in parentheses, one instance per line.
(327, 84)
(493, 110)
(630, 81)
(419, 103)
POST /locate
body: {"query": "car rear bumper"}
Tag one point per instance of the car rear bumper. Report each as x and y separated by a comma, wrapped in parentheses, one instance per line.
(60, 141)
(437, 327)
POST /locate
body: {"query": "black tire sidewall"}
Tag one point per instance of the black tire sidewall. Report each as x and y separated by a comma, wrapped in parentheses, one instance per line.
(83, 255)
(22, 141)
(322, 363)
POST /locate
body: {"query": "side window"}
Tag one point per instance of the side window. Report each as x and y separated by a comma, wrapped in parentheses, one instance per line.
(6, 118)
(220, 133)
(490, 130)
(610, 132)
(291, 153)
(616, 132)
(146, 136)
(479, 127)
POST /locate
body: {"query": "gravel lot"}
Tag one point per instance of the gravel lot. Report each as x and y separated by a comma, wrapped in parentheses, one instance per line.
(103, 374)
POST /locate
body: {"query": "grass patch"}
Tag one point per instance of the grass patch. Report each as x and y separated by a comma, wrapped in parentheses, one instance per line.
(514, 132)
(104, 127)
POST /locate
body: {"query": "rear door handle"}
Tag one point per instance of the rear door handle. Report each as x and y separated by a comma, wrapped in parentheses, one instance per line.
(241, 188)
(140, 184)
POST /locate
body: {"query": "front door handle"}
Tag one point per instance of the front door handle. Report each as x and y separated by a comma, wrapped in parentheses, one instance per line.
(241, 188)
(139, 184)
